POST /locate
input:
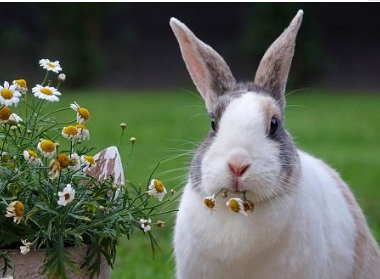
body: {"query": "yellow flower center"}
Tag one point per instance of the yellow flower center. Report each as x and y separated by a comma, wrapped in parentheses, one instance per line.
(47, 146)
(80, 127)
(90, 159)
(84, 113)
(70, 130)
(46, 91)
(5, 112)
(7, 94)
(21, 82)
(234, 206)
(64, 160)
(50, 65)
(158, 186)
(67, 196)
(18, 209)
(209, 203)
(32, 154)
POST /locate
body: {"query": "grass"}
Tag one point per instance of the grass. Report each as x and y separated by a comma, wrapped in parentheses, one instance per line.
(342, 129)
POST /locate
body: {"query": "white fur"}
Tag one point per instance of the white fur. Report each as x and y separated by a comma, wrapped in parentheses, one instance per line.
(305, 233)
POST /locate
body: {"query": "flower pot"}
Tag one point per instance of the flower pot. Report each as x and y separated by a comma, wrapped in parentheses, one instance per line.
(30, 266)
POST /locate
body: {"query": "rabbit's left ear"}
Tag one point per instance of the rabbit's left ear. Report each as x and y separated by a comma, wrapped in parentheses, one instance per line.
(274, 67)
(209, 71)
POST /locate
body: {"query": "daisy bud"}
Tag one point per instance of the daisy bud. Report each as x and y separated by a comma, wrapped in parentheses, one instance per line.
(123, 125)
(115, 187)
(209, 202)
(57, 144)
(225, 194)
(132, 139)
(29, 131)
(160, 223)
(248, 206)
(14, 128)
(61, 77)
(101, 207)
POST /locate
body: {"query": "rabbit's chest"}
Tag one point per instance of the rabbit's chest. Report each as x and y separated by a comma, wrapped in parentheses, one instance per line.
(220, 233)
(231, 245)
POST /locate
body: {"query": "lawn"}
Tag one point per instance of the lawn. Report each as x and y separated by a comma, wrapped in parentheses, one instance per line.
(342, 129)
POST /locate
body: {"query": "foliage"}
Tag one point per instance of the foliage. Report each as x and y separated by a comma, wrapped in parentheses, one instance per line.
(47, 198)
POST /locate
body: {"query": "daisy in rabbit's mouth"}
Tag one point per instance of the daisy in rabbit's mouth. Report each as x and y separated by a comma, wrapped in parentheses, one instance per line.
(236, 205)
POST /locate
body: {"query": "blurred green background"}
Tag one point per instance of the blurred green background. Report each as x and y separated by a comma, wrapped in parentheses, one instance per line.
(123, 63)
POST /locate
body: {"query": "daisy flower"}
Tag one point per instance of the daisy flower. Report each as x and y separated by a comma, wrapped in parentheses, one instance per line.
(21, 85)
(67, 196)
(145, 224)
(83, 114)
(16, 210)
(54, 169)
(50, 65)
(83, 132)
(5, 157)
(25, 249)
(32, 158)
(88, 161)
(14, 119)
(48, 93)
(74, 162)
(209, 202)
(236, 205)
(47, 148)
(5, 113)
(157, 189)
(64, 160)
(70, 132)
(9, 95)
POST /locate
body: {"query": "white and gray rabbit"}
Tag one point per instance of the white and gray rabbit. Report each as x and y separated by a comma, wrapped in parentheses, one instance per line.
(306, 222)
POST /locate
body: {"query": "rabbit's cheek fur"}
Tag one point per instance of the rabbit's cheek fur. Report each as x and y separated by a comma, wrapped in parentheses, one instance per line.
(242, 138)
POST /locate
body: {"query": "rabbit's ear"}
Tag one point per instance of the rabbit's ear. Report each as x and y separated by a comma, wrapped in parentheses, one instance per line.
(273, 70)
(210, 73)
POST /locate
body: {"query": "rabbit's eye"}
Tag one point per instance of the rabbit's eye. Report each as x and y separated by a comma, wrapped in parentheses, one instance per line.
(213, 124)
(273, 126)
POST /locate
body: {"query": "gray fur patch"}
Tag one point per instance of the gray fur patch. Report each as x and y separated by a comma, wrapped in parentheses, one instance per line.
(288, 153)
(221, 79)
(196, 163)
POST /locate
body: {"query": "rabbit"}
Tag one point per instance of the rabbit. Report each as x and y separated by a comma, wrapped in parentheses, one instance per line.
(305, 223)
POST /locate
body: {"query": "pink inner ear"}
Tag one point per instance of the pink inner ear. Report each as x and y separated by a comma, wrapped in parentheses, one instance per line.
(195, 66)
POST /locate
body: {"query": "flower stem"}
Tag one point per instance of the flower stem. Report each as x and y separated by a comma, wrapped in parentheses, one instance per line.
(130, 154)
(46, 76)
(5, 140)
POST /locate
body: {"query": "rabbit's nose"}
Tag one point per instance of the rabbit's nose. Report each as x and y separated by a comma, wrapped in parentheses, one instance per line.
(238, 170)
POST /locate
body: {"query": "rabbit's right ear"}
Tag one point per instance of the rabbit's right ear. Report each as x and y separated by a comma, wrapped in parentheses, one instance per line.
(210, 73)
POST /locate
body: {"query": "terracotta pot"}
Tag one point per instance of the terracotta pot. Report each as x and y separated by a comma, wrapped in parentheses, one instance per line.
(29, 266)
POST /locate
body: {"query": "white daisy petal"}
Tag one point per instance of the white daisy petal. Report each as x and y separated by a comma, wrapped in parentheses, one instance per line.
(66, 196)
(9, 96)
(157, 189)
(50, 65)
(46, 93)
